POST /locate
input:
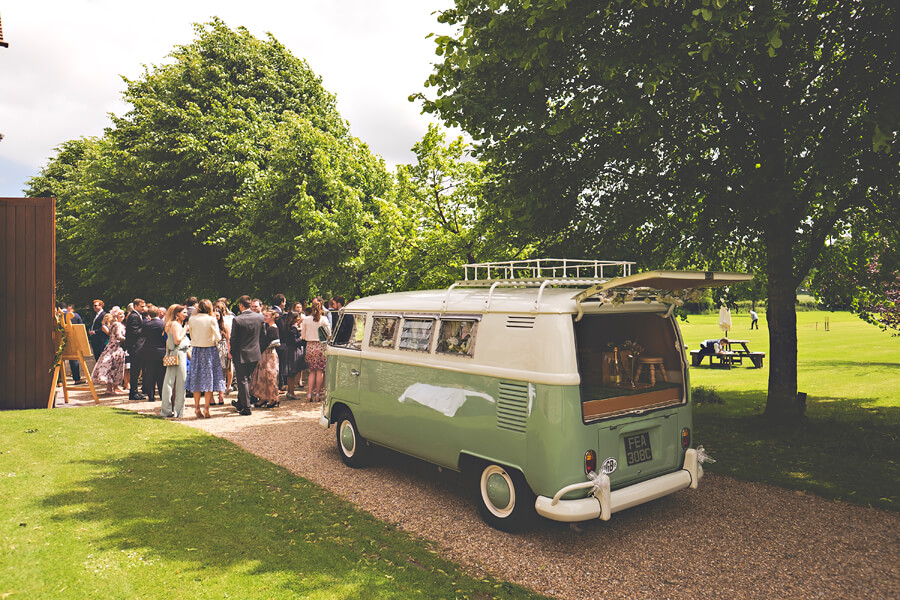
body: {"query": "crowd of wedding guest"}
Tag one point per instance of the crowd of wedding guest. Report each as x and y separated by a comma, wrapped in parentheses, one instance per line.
(204, 350)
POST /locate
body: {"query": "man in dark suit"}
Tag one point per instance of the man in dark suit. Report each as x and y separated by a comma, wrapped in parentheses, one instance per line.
(134, 344)
(98, 338)
(345, 329)
(152, 352)
(246, 331)
(278, 302)
(191, 305)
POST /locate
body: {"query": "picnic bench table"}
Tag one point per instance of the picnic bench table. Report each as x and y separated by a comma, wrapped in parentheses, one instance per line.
(730, 356)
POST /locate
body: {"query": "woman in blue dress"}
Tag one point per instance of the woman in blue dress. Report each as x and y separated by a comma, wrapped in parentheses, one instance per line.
(205, 375)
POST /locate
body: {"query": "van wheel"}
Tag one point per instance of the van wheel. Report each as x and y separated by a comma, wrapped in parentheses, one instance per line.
(351, 445)
(506, 502)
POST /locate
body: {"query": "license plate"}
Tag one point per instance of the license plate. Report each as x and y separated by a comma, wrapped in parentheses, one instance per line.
(637, 448)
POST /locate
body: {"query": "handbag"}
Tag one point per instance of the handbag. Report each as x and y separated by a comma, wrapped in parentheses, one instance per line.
(170, 361)
(323, 335)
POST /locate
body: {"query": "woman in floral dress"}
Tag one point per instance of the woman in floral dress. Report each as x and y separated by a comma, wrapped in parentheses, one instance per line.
(264, 381)
(110, 367)
(219, 311)
(315, 349)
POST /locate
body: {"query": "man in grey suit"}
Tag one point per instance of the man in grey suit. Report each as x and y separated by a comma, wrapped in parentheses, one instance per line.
(134, 344)
(246, 331)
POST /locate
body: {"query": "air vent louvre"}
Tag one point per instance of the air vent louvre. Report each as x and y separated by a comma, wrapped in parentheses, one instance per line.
(520, 322)
(512, 406)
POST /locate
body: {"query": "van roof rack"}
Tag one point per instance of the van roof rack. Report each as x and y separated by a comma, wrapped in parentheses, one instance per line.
(539, 273)
(536, 271)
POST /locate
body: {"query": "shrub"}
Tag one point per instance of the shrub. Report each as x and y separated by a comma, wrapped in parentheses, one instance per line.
(706, 395)
(702, 306)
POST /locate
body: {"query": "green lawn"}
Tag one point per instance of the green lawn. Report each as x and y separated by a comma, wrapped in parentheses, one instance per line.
(848, 447)
(105, 503)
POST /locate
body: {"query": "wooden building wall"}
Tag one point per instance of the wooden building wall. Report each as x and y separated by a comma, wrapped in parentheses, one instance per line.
(27, 299)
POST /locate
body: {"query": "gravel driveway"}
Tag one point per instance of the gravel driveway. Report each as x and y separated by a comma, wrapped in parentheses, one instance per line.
(728, 539)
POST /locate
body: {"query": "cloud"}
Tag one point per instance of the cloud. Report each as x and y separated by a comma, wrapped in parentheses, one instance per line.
(62, 73)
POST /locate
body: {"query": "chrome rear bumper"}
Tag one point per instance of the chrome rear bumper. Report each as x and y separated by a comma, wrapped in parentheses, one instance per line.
(602, 503)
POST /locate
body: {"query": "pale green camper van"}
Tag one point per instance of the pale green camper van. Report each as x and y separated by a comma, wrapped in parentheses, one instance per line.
(561, 385)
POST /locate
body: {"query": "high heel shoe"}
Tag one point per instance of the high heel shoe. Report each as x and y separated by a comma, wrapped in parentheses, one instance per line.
(206, 413)
(198, 413)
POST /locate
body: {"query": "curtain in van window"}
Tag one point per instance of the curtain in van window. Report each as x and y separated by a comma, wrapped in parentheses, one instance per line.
(456, 337)
(384, 332)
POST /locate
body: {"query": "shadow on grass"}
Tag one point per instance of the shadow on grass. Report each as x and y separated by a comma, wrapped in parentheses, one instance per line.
(830, 364)
(843, 449)
(236, 522)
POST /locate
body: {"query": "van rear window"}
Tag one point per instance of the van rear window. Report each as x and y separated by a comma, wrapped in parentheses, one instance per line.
(456, 337)
(384, 332)
(416, 334)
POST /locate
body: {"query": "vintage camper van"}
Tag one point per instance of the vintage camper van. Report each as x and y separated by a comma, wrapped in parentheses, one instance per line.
(560, 385)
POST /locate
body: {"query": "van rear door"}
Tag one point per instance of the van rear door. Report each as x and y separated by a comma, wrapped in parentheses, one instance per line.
(643, 448)
(661, 281)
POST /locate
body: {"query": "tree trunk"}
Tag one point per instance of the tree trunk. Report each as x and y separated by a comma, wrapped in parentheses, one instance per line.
(782, 403)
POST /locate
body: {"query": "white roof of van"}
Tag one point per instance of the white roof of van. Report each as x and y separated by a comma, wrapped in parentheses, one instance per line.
(522, 295)
(471, 300)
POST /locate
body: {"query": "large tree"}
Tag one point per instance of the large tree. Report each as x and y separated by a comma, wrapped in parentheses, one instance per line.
(699, 128)
(434, 222)
(231, 172)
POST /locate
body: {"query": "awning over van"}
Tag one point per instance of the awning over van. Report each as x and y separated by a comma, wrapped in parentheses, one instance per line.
(665, 281)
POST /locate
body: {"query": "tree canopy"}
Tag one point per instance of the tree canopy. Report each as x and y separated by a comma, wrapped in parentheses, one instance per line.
(232, 171)
(710, 131)
(860, 272)
(435, 221)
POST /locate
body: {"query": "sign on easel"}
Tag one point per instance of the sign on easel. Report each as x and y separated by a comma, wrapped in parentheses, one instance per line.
(77, 348)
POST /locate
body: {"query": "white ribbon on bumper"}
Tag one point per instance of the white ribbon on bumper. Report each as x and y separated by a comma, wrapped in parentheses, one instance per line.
(601, 484)
(703, 457)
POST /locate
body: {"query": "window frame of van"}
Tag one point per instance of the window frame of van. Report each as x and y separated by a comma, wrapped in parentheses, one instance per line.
(396, 338)
(432, 317)
(473, 335)
(337, 328)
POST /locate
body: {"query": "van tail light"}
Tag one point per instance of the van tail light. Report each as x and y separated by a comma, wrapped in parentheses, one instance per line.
(685, 438)
(590, 461)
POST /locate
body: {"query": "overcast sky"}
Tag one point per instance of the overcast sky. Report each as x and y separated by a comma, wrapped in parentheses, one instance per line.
(61, 74)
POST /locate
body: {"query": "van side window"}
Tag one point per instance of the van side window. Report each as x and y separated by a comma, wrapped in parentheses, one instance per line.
(416, 334)
(349, 331)
(384, 332)
(456, 337)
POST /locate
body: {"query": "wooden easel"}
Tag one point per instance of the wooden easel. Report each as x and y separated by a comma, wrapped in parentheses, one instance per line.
(77, 347)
